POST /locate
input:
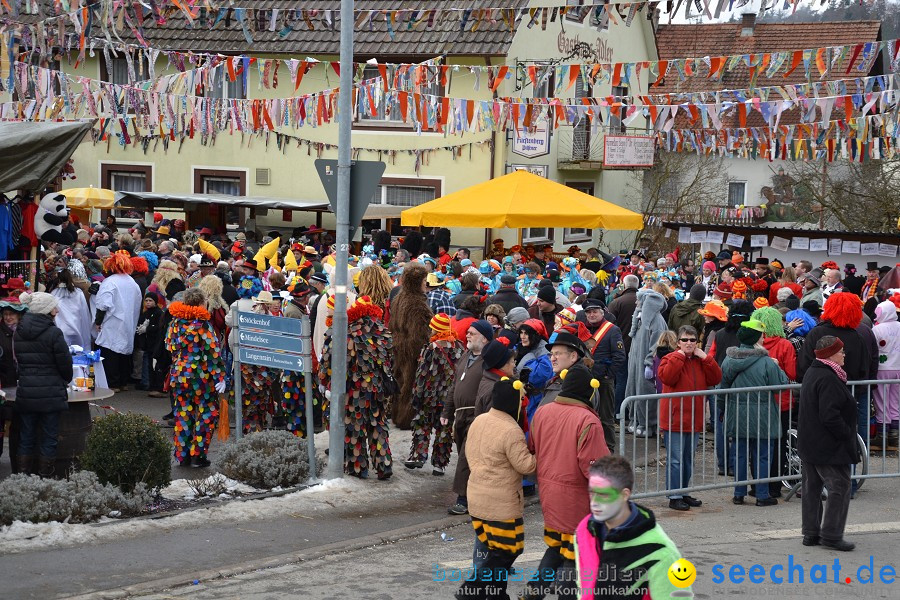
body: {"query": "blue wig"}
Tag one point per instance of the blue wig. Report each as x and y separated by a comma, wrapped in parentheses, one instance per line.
(249, 286)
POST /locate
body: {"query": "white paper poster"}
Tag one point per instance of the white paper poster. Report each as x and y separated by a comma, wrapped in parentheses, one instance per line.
(869, 248)
(834, 247)
(759, 241)
(889, 250)
(850, 247)
(779, 243)
(715, 237)
(735, 240)
(668, 233)
(698, 237)
(818, 245)
(684, 235)
(800, 243)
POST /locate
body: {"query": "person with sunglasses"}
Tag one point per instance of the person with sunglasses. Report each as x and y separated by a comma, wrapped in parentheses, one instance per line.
(681, 417)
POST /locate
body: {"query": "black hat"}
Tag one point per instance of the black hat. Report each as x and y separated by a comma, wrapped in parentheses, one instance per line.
(578, 383)
(748, 336)
(508, 280)
(762, 261)
(545, 283)
(593, 303)
(564, 338)
(496, 354)
(872, 266)
(207, 261)
(724, 255)
(812, 307)
(792, 302)
(507, 396)
(547, 294)
(320, 277)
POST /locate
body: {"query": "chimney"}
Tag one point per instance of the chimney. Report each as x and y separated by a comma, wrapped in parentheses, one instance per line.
(748, 21)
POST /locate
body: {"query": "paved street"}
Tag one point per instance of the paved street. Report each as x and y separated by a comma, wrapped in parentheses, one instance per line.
(718, 533)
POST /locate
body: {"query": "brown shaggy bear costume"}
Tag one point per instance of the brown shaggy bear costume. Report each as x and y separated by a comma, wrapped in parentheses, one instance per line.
(409, 324)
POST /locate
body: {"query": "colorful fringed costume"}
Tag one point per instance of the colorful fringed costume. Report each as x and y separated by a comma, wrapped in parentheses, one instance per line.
(434, 378)
(196, 368)
(369, 348)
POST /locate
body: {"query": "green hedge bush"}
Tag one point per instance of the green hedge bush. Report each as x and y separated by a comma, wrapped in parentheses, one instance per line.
(128, 449)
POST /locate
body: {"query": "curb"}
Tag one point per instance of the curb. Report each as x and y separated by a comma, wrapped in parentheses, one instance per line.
(278, 560)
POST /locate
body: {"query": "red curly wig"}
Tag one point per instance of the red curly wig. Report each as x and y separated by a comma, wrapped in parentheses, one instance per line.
(119, 263)
(843, 309)
(139, 265)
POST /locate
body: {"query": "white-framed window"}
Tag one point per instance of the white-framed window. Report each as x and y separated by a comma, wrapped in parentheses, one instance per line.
(533, 235)
(578, 234)
(116, 70)
(403, 195)
(737, 193)
(127, 178)
(222, 87)
(388, 109)
(229, 186)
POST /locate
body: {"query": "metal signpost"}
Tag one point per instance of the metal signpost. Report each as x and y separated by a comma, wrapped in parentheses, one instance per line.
(277, 343)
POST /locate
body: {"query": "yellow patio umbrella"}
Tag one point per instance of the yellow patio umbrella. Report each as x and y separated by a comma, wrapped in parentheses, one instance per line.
(521, 199)
(89, 197)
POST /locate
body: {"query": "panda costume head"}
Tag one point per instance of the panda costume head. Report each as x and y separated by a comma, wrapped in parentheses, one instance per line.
(51, 215)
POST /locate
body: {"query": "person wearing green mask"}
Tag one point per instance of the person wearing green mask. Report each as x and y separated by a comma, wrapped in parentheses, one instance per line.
(620, 550)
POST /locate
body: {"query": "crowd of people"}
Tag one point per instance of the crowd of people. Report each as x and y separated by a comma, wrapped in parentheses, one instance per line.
(524, 357)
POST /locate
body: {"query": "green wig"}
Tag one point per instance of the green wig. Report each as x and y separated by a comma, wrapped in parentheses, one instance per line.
(771, 320)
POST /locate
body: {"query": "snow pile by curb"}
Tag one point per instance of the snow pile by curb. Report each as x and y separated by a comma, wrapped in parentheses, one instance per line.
(342, 495)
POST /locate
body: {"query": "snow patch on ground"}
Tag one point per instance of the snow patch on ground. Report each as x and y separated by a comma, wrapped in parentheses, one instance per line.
(345, 494)
(180, 489)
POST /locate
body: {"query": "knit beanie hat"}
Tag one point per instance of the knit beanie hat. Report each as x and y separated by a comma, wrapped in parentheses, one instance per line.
(496, 354)
(578, 383)
(698, 292)
(517, 315)
(748, 336)
(40, 303)
(440, 323)
(792, 302)
(507, 396)
(484, 328)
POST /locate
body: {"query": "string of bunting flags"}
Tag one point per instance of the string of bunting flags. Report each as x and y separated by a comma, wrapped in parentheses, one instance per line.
(103, 131)
(821, 62)
(54, 97)
(856, 136)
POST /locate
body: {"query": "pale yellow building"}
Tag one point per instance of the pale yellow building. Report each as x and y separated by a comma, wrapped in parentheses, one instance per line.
(264, 165)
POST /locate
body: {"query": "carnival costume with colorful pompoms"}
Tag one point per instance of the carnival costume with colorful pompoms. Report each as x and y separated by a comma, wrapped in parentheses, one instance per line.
(256, 381)
(434, 378)
(196, 368)
(293, 386)
(369, 347)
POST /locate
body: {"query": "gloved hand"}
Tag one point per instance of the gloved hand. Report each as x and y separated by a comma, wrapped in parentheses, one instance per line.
(328, 394)
(93, 288)
(648, 373)
(220, 387)
(525, 375)
(142, 328)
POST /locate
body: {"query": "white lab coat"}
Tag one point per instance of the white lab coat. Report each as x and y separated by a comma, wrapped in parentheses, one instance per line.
(74, 317)
(120, 297)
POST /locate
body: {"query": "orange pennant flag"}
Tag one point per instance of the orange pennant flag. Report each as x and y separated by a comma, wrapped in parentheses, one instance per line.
(574, 72)
(795, 62)
(501, 75)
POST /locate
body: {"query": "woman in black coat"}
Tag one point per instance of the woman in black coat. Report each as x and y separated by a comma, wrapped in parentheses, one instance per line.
(45, 370)
(826, 442)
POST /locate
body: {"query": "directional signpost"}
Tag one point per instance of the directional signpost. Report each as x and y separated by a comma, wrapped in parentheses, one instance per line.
(277, 343)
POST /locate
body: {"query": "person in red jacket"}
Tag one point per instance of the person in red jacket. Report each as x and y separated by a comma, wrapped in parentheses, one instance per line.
(566, 437)
(681, 417)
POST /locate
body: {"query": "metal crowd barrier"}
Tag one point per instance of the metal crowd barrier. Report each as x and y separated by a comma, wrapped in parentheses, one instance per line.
(715, 454)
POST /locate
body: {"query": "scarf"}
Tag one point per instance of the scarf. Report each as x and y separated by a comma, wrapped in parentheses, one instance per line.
(836, 368)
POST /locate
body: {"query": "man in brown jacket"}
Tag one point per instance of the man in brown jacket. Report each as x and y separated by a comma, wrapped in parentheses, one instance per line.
(566, 436)
(460, 405)
(498, 457)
